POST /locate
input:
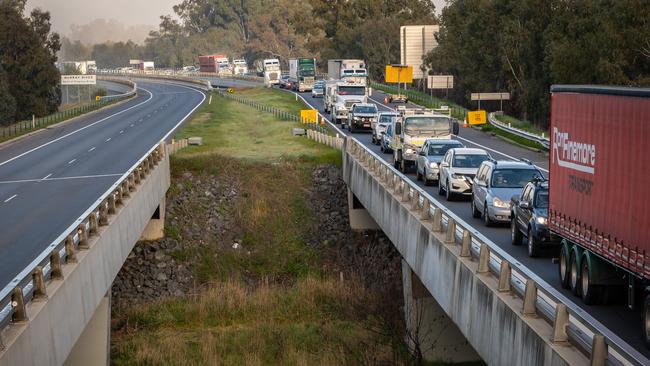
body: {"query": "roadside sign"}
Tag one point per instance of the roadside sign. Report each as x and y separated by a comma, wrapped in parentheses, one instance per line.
(78, 79)
(98, 98)
(399, 74)
(490, 96)
(477, 117)
(309, 116)
(440, 82)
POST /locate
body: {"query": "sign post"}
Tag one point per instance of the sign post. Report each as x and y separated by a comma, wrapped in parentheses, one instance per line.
(491, 96)
(309, 116)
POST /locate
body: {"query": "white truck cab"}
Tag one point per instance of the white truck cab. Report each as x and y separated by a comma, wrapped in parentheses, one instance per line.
(413, 127)
(345, 95)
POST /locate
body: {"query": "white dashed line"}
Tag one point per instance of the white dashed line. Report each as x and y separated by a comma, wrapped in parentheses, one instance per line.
(131, 124)
(121, 132)
(72, 161)
(108, 139)
(10, 198)
(91, 149)
(47, 176)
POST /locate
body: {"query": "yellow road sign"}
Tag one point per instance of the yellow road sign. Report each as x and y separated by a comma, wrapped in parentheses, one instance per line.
(98, 98)
(477, 117)
(309, 116)
(399, 74)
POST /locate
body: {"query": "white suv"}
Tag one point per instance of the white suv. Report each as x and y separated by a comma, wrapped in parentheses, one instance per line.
(457, 170)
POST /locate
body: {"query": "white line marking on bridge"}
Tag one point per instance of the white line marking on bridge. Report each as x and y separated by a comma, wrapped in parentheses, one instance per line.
(80, 129)
(132, 125)
(10, 198)
(72, 161)
(108, 139)
(121, 132)
(91, 149)
(47, 176)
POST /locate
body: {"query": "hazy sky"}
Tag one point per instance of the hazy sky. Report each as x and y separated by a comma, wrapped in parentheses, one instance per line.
(130, 12)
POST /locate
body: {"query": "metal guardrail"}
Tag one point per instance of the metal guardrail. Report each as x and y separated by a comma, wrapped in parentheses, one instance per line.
(31, 282)
(204, 84)
(540, 139)
(570, 323)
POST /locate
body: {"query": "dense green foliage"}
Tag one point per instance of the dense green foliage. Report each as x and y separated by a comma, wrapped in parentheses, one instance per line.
(524, 46)
(28, 77)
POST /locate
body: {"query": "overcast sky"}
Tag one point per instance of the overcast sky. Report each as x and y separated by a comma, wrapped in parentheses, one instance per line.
(129, 12)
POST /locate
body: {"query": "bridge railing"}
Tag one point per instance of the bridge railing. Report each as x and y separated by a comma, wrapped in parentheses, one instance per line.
(136, 73)
(31, 283)
(203, 84)
(570, 324)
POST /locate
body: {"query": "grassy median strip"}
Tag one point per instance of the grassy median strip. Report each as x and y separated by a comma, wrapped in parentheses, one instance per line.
(273, 300)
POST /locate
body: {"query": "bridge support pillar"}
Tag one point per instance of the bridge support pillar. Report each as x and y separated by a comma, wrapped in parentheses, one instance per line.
(431, 334)
(93, 346)
(360, 219)
(156, 227)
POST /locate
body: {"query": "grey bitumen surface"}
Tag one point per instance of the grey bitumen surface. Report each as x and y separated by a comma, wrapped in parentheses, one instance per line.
(81, 160)
(616, 316)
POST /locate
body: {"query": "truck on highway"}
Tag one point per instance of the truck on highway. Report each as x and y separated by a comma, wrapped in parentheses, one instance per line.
(240, 66)
(146, 66)
(412, 127)
(225, 68)
(351, 71)
(272, 72)
(302, 72)
(598, 192)
(341, 96)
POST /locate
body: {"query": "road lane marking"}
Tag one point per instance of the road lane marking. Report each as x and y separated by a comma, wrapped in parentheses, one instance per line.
(131, 124)
(72, 161)
(91, 149)
(47, 176)
(121, 132)
(78, 130)
(10, 198)
(108, 139)
(48, 179)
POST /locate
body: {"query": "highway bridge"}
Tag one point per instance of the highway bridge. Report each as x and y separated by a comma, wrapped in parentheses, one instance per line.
(63, 178)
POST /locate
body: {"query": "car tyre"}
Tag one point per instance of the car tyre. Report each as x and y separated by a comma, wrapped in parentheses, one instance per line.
(574, 275)
(402, 166)
(515, 233)
(441, 191)
(418, 176)
(449, 195)
(563, 267)
(486, 216)
(475, 212)
(590, 293)
(533, 247)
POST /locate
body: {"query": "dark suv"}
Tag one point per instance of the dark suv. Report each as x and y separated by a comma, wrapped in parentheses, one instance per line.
(529, 218)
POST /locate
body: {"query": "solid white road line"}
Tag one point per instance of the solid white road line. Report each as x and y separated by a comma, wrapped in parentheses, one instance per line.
(91, 149)
(108, 139)
(47, 176)
(48, 179)
(10, 198)
(78, 130)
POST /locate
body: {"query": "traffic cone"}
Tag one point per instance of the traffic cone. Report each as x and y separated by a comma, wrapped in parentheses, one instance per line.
(322, 121)
(465, 123)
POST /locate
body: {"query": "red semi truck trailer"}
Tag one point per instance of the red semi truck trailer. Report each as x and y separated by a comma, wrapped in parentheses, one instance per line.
(599, 191)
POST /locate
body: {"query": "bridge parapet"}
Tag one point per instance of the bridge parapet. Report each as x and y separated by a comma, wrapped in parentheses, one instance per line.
(507, 313)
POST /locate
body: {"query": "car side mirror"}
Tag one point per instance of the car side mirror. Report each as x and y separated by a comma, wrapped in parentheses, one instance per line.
(455, 128)
(444, 164)
(398, 128)
(515, 198)
(524, 204)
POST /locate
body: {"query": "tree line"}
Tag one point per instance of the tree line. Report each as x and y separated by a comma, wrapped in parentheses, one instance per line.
(28, 76)
(525, 46)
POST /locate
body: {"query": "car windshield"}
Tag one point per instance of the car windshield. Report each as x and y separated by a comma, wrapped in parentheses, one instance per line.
(513, 178)
(441, 149)
(427, 124)
(541, 201)
(365, 109)
(351, 90)
(307, 73)
(469, 161)
(386, 118)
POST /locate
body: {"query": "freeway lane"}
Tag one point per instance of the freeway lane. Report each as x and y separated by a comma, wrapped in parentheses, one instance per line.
(49, 179)
(623, 322)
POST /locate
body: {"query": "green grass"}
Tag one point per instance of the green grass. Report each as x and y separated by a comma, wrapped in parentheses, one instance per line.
(274, 97)
(522, 125)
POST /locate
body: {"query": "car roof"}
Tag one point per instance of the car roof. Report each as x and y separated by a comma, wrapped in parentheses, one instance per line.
(470, 151)
(365, 105)
(388, 113)
(511, 164)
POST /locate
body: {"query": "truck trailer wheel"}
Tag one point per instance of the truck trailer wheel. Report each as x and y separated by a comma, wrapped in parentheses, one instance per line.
(574, 274)
(590, 292)
(563, 267)
(646, 319)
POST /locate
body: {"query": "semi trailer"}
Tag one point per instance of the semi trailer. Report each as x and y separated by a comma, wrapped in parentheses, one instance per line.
(598, 192)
